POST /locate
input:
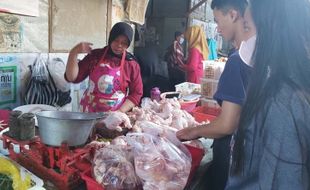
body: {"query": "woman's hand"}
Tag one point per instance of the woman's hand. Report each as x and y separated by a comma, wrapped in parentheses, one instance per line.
(189, 133)
(72, 68)
(82, 47)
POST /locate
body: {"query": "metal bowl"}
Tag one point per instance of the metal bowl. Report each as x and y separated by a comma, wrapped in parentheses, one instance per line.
(73, 128)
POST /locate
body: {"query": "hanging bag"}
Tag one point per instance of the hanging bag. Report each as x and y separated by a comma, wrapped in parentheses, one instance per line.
(41, 88)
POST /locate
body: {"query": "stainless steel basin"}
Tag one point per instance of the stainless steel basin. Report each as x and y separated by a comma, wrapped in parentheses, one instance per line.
(56, 127)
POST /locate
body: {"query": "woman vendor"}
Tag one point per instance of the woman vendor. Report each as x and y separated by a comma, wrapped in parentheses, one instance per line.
(114, 75)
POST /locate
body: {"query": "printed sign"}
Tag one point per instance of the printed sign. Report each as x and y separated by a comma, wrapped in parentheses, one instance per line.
(8, 87)
(9, 81)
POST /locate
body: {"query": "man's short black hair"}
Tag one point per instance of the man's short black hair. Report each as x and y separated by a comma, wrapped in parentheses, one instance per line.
(225, 5)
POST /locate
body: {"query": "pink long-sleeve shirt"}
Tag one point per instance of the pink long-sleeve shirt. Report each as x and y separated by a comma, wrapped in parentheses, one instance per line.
(194, 66)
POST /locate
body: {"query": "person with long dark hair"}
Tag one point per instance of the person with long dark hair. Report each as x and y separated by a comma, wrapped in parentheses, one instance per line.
(272, 144)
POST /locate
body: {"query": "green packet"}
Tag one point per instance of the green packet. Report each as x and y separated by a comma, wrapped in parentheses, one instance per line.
(6, 182)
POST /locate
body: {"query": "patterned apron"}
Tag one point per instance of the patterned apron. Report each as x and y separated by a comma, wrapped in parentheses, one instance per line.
(105, 91)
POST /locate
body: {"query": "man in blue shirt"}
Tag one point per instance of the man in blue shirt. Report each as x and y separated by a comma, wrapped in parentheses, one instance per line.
(230, 95)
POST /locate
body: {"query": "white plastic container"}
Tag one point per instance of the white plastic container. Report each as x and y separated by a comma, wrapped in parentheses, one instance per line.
(186, 88)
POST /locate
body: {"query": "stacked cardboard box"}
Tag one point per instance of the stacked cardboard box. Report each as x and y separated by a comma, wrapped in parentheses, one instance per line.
(212, 73)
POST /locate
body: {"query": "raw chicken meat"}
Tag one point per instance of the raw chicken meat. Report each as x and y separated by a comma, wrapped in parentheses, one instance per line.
(167, 112)
(151, 153)
(97, 145)
(158, 162)
(116, 121)
(113, 170)
(120, 140)
(162, 119)
(158, 130)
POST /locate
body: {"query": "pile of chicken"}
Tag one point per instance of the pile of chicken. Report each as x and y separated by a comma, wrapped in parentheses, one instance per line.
(159, 159)
(141, 160)
(166, 113)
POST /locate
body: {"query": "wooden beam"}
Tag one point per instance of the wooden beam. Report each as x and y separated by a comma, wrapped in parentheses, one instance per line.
(196, 6)
(50, 6)
(109, 19)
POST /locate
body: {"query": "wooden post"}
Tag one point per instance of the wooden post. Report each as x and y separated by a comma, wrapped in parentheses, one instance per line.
(109, 18)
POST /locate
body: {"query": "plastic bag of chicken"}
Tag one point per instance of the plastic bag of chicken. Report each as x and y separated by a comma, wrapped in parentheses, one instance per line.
(113, 169)
(158, 162)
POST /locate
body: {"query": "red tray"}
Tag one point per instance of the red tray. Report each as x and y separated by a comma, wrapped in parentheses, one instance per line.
(203, 113)
(91, 183)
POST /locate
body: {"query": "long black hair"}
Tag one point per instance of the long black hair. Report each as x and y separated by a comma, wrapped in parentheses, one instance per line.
(282, 56)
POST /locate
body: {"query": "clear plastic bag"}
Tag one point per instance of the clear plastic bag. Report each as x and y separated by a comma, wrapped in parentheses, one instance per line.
(39, 70)
(161, 131)
(41, 88)
(158, 162)
(113, 170)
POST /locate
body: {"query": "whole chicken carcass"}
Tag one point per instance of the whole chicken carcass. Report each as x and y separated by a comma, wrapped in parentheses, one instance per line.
(190, 119)
(116, 121)
(179, 122)
(166, 110)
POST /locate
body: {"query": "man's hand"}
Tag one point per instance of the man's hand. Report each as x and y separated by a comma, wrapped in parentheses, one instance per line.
(189, 133)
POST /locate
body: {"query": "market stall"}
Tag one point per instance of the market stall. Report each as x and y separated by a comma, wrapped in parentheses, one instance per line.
(70, 150)
(134, 150)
